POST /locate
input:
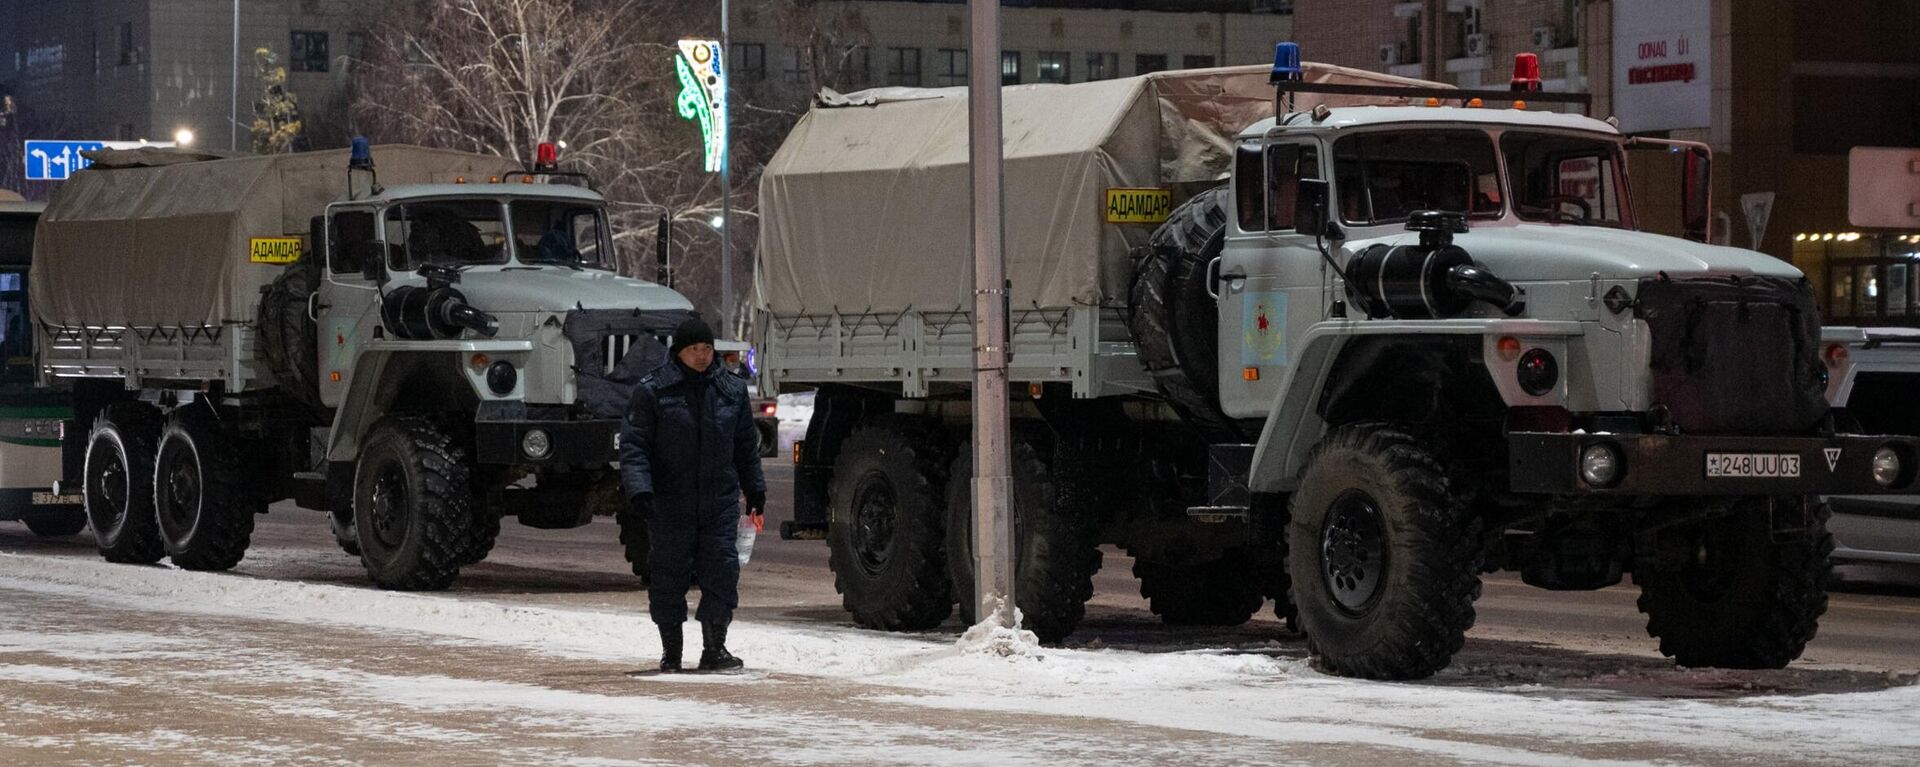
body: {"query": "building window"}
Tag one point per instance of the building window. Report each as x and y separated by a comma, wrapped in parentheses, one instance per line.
(749, 62)
(1009, 67)
(1196, 62)
(128, 54)
(903, 67)
(953, 66)
(1147, 63)
(308, 52)
(1103, 66)
(1055, 67)
(797, 64)
(854, 68)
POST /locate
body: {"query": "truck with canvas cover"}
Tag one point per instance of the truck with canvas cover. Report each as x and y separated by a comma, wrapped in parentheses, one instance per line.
(1391, 336)
(30, 417)
(418, 346)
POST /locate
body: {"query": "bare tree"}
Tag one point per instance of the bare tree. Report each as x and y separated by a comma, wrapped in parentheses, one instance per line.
(276, 116)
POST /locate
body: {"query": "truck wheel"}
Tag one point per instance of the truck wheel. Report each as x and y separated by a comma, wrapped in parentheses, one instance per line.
(885, 536)
(1218, 593)
(1385, 563)
(57, 522)
(119, 482)
(1174, 321)
(1055, 555)
(200, 493)
(343, 532)
(412, 505)
(1740, 599)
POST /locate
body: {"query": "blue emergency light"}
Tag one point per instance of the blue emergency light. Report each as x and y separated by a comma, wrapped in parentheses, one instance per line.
(362, 155)
(1286, 64)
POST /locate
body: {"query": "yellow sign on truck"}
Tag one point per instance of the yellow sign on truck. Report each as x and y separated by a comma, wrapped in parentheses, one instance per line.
(275, 250)
(1127, 205)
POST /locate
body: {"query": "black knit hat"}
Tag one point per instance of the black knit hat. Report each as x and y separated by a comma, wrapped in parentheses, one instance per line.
(693, 331)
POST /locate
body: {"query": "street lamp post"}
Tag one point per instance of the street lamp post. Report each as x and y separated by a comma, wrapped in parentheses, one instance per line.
(233, 111)
(726, 175)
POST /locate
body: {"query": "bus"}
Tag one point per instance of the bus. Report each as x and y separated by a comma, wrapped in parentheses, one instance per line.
(31, 418)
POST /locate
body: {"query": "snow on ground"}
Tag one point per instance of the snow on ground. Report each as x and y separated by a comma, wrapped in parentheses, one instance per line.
(1231, 692)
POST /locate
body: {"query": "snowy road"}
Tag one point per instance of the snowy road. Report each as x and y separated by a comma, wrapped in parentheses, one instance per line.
(291, 659)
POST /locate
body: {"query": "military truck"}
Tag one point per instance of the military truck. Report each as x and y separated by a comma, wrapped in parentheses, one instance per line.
(1390, 336)
(419, 347)
(30, 418)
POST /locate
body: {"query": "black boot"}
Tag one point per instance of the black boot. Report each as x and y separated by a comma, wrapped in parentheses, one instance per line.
(671, 643)
(715, 657)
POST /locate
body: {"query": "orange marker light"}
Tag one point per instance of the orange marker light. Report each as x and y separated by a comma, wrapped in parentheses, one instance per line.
(1250, 374)
(1433, 102)
(335, 376)
(478, 362)
(493, 179)
(1519, 105)
(1034, 390)
(1508, 347)
(459, 179)
(1475, 103)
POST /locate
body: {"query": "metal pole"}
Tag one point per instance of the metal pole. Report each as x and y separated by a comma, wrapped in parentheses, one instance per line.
(726, 174)
(992, 518)
(233, 111)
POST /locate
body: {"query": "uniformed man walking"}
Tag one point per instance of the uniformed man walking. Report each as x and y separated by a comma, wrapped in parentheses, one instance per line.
(688, 450)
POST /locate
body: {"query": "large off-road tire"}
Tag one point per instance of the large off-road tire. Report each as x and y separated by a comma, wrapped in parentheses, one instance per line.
(289, 336)
(886, 529)
(412, 505)
(1741, 599)
(119, 483)
(200, 492)
(1174, 321)
(1385, 561)
(56, 522)
(1055, 554)
(344, 535)
(1223, 592)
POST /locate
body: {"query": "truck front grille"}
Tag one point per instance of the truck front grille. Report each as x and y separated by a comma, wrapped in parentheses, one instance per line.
(1735, 355)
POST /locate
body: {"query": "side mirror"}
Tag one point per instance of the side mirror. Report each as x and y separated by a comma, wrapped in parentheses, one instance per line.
(317, 240)
(368, 255)
(1310, 207)
(1696, 194)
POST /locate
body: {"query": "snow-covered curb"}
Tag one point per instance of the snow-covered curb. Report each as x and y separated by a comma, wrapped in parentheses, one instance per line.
(1239, 694)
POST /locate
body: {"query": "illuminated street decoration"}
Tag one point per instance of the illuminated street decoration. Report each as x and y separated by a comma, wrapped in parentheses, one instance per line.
(703, 96)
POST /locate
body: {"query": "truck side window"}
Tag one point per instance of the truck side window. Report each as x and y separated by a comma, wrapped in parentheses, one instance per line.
(1287, 164)
(1246, 186)
(351, 229)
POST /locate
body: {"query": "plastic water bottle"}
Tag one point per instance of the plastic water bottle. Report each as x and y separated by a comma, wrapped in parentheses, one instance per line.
(743, 541)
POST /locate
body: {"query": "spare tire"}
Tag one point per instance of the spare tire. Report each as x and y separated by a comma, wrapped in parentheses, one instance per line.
(1174, 321)
(289, 337)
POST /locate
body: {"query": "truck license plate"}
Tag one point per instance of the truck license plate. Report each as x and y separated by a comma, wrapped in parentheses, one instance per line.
(49, 499)
(1753, 465)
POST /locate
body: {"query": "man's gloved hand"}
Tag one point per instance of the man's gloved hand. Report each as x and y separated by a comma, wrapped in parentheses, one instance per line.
(641, 504)
(756, 504)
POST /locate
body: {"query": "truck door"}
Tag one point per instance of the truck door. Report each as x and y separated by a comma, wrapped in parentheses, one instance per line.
(1271, 277)
(346, 308)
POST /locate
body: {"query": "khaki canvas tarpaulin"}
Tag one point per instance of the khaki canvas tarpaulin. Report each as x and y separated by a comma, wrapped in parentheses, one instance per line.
(166, 243)
(865, 207)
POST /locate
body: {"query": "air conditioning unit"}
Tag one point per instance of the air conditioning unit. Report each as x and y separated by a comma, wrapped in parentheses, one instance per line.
(1389, 55)
(1543, 38)
(1478, 45)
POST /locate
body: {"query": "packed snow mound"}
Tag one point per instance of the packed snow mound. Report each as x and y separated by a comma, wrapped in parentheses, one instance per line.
(988, 637)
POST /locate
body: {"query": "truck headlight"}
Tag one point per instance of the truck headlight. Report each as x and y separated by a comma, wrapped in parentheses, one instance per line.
(536, 444)
(501, 377)
(1538, 372)
(1886, 466)
(1600, 465)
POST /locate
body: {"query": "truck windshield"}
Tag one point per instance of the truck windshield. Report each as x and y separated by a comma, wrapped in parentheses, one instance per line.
(1565, 178)
(1382, 177)
(559, 232)
(446, 233)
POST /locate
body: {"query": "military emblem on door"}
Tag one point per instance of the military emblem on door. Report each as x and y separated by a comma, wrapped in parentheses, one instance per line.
(1264, 329)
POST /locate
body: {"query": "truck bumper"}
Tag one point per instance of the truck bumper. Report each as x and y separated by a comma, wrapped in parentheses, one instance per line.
(1655, 464)
(569, 443)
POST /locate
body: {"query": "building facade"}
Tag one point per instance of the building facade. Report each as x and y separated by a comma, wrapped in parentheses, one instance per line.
(869, 43)
(146, 69)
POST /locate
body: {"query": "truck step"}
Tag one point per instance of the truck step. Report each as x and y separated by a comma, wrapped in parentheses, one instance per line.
(1217, 514)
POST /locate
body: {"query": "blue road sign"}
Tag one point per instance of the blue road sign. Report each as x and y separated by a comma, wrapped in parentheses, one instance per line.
(57, 160)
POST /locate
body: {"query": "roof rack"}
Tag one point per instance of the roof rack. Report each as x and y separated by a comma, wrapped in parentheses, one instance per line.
(1444, 95)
